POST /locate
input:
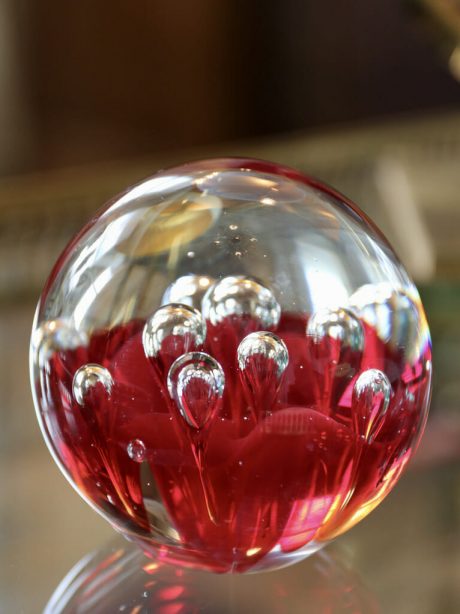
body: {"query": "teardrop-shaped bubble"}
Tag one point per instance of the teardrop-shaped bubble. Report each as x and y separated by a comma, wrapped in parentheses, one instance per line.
(56, 336)
(338, 324)
(188, 290)
(262, 359)
(171, 331)
(370, 402)
(241, 296)
(136, 450)
(335, 345)
(266, 345)
(394, 316)
(196, 382)
(87, 378)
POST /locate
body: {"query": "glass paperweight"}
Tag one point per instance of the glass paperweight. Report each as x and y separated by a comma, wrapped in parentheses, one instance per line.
(230, 364)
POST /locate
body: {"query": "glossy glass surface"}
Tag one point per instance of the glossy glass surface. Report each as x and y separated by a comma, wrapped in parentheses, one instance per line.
(231, 365)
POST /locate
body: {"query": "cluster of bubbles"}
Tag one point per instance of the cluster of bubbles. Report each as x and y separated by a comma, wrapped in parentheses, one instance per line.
(196, 380)
(183, 327)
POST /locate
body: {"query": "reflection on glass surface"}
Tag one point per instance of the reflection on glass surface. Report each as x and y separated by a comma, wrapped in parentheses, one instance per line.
(208, 445)
(120, 578)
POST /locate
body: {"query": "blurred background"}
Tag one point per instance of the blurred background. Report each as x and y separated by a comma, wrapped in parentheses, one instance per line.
(83, 83)
(364, 95)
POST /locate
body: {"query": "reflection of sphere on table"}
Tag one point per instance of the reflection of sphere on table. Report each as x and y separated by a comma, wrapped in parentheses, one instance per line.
(231, 365)
(120, 578)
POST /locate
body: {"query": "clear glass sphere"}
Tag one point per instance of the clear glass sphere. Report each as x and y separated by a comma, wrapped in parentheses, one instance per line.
(231, 365)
